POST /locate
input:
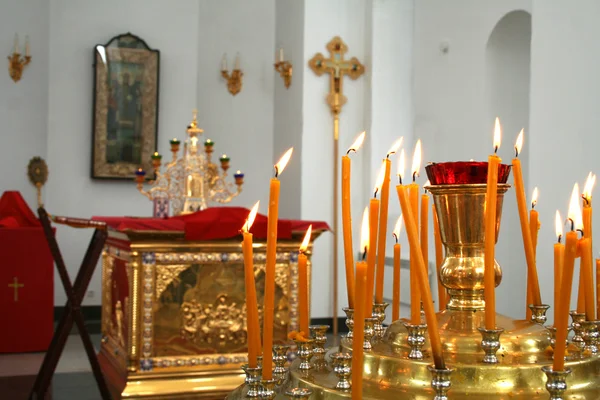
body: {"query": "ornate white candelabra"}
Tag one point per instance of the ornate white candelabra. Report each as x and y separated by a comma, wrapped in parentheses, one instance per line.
(190, 182)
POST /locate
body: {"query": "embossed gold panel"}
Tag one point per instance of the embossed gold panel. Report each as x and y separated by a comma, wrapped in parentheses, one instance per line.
(174, 313)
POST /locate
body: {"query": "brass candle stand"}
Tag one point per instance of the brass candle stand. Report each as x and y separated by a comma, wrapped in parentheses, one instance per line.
(416, 340)
(389, 372)
(252, 381)
(349, 321)
(285, 69)
(342, 366)
(538, 313)
(189, 183)
(379, 315)
(490, 343)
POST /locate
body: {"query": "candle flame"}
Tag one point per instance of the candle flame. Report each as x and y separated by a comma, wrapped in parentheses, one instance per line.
(357, 143)
(364, 231)
(251, 217)
(283, 161)
(380, 179)
(416, 164)
(401, 165)
(574, 209)
(519, 142)
(497, 135)
(588, 187)
(306, 240)
(534, 197)
(395, 146)
(397, 227)
(558, 223)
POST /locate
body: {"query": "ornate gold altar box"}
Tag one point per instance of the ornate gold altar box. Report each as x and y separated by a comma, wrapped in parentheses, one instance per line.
(173, 311)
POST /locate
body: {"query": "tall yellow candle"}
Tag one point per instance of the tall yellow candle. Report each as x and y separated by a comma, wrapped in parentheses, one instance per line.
(347, 218)
(269, 302)
(371, 256)
(534, 285)
(424, 229)
(439, 260)
(598, 286)
(413, 193)
(383, 216)
(360, 312)
(586, 269)
(562, 321)
(421, 273)
(586, 275)
(396, 283)
(253, 328)
(534, 227)
(559, 255)
(303, 283)
(491, 198)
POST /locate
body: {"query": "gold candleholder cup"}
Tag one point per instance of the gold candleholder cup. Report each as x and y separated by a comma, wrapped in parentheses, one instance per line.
(305, 353)
(319, 334)
(556, 384)
(234, 79)
(299, 393)
(440, 382)
(252, 380)
(538, 313)
(379, 314)
(285, 70)
(576, 321)
(267, 389)
(16, 63)
(349, 321)
(280, 352)
(416, 340)
(590, 336)
(343, 369)
(369, 333)
(490, 343)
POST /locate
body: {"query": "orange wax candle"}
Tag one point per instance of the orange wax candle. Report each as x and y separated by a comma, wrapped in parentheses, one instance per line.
(413, 193)
(251, 301)
(586, 270)
(347, 219)
(382, 232)
(489, 275)
(360, 313)
(534, 226)
(559, 255)
(562, 321)
(371, 255)
(534, 285)
(586, 274)
(303, 284)
(269, 302)
(598, 286)
(421, 273)
(439, 259)
(424, 231)
(396, 283)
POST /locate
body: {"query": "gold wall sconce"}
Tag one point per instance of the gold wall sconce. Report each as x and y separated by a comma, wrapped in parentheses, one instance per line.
(234, 80)
(285, 69)
(16, 63)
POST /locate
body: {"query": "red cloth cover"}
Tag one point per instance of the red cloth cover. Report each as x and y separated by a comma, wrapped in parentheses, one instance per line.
(213, 224)
(27, 317)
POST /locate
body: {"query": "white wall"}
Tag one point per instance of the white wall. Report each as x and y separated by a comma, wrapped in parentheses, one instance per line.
(451, 106)
(23, 105)
(565, 97)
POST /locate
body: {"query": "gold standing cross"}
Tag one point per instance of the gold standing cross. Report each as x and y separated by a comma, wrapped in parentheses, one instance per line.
(336, 67)
(16, 286)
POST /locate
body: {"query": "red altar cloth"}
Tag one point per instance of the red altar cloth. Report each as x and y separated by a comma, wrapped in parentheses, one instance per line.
(26, 279)
(212, 224)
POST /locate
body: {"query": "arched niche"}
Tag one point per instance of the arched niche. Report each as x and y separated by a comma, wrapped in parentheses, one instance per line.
(507, 63)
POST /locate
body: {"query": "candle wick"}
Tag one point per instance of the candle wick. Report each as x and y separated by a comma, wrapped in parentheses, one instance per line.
(533, 205)
(585, 199)
(276, 171)
(395, 237)
(572, 223)
(582, 234)
(364, 254)
(495, 149)
(350, 150)
(375, 194)
(389, 154)
(415, 174)
(559, 238)
(516, 152)
(399, 179)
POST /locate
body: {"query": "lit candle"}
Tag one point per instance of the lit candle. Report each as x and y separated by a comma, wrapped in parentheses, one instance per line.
(534, 285)
(559, 255)
(303, 283)
(562, 321)
(439, 259)
(383, 216)
(491, 197)
(586, 270)
(425, 227)
(534, 226)
(269, 301)
(586, 273)
(421, 273)
(374, 205)
(237, 61)
(347, 218)
(360, 312)
(224, 62)
(251, 302)
(396, 283)
(413, 192)
(598, 286)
